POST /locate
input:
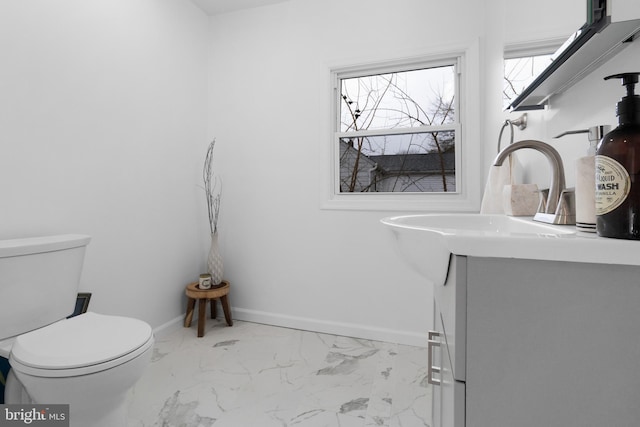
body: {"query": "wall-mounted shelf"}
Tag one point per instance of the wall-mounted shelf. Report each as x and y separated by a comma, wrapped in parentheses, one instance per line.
(591, 46)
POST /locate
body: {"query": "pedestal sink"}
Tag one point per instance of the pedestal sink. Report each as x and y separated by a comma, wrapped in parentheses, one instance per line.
(427, 241)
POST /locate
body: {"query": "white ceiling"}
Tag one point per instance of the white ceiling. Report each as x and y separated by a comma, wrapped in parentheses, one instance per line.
(216, 7)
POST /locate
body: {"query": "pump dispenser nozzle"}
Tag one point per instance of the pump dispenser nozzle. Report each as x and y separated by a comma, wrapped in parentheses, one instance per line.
(628, 109)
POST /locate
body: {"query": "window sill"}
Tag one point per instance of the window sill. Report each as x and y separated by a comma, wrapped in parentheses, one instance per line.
(453, 202)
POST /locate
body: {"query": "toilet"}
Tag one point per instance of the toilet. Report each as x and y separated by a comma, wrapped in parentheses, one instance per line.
(89, 361)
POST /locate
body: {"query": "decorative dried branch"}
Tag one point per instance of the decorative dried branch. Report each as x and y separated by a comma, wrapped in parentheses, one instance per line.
(211, 189)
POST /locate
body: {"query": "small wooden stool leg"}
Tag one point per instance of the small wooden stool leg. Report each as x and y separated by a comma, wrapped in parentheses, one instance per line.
(191, 304)
(214, 313)
(225, 307)
(202, 307)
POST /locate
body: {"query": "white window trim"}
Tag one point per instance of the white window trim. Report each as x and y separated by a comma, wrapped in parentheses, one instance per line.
(396, 131)
(532, 48)
(468, 151)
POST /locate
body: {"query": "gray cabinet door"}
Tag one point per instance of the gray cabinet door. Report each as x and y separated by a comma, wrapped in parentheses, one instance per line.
(552, 344)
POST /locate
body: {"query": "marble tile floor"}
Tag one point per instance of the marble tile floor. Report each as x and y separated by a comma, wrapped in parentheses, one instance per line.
(253, 375)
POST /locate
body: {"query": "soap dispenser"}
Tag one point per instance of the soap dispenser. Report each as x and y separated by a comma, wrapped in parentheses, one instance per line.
(617, 177)
(585, 177)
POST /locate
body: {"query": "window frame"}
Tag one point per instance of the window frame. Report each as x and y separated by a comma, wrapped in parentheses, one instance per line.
(455, 126)
(467, 155)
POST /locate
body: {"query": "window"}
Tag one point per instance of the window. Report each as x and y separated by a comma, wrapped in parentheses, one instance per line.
(523, 63)
(519, 72)
(405, 134)
(397, 128)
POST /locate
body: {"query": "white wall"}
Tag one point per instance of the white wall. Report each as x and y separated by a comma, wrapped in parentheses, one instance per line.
(528, 21)
(103, 132)
(104, 123)
(289, 261)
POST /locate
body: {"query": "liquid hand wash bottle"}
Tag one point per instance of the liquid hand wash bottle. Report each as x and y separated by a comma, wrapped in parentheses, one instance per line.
(618, 169)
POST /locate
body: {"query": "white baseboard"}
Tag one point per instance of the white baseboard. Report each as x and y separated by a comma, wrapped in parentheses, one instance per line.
(330, 327)
(355, 330)
(168, 327)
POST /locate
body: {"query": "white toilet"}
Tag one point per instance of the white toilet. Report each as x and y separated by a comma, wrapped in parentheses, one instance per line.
(89, 361)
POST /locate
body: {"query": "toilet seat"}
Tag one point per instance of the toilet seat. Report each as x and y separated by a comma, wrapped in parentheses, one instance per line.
(81, 345)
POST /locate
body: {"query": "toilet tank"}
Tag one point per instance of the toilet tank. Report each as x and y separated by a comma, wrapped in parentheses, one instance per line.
(39, 279)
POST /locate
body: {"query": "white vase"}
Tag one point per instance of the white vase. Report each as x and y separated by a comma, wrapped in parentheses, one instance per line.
(214, 261)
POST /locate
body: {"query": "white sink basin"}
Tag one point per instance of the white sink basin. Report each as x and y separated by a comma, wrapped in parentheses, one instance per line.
(427, 241)
(477, 224)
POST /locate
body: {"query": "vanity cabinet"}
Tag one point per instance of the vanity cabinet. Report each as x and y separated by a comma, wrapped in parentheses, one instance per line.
(530, 343)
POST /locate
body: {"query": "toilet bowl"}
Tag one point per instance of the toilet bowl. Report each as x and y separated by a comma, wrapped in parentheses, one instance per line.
(89, 361)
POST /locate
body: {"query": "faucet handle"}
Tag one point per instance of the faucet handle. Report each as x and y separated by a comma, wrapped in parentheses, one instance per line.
(544, 194)
(565, 213)
(566, 210)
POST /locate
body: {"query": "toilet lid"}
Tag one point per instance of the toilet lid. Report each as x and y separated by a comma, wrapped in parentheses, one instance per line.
(86, 340)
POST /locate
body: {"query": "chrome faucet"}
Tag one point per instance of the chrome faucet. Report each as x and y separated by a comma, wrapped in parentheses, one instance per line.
(559, 207)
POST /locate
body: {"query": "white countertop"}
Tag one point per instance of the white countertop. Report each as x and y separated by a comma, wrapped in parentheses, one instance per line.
(426, 241)
(579, 247)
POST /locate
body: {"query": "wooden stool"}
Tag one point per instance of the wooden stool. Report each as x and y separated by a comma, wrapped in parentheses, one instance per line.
(194, 293)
